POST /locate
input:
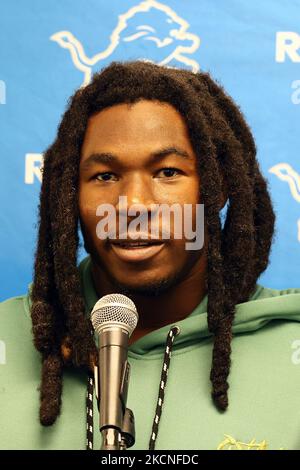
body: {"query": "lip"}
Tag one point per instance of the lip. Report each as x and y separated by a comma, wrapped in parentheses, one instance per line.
(136, 254)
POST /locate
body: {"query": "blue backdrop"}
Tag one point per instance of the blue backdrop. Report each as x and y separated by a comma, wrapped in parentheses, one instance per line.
(50, 48)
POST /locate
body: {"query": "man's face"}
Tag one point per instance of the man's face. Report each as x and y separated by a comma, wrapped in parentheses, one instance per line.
(117, 159)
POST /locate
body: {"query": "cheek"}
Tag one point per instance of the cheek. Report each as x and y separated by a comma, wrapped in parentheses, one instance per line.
(87, 212)
(186, 193)
(87, 203)
(87, 216)
(193, 190)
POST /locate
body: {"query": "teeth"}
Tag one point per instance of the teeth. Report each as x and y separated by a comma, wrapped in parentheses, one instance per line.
(134, 244)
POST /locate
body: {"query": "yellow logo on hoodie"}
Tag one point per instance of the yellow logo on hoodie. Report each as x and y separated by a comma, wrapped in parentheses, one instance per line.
(229, 443)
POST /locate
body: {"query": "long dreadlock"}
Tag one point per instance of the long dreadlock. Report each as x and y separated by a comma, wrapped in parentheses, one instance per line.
(237, 253)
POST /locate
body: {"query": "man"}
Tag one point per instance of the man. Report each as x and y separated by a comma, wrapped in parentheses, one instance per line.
(157, 136)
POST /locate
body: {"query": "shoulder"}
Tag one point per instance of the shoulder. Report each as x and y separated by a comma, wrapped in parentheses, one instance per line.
(262, 292)
(266, 306)
(14, 306)
(15, 318)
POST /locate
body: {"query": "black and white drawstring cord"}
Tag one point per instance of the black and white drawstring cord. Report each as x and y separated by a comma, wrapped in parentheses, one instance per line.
(174, 331)
(162, 386)
(90, 413)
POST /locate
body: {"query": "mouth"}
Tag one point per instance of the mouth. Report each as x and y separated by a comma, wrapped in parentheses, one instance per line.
(136, 250)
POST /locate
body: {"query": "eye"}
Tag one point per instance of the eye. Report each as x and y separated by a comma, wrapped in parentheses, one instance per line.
(107, 176)
(169, 172)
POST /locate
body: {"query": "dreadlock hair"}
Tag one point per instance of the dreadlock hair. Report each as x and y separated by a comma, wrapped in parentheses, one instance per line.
(237, 253)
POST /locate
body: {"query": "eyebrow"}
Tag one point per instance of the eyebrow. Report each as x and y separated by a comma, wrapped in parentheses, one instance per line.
(107, 157)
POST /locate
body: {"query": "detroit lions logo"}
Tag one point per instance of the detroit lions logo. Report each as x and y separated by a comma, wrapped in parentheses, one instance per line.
(157, 34)
(285, 172)
(230, 443)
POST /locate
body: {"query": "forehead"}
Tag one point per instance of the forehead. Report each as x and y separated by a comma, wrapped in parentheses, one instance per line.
(141, 125)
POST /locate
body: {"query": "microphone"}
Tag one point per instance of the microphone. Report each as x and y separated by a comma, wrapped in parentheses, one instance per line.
(114, 318)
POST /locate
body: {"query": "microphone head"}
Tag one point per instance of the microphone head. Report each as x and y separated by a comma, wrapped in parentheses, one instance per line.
(114, 310)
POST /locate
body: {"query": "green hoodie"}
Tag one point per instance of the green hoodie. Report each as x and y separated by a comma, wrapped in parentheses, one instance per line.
(264, 399)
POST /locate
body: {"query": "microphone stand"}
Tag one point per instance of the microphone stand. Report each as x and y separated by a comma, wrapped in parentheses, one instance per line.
(114, 438)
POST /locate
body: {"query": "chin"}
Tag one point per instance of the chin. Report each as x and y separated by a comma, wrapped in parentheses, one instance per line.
(150, 287)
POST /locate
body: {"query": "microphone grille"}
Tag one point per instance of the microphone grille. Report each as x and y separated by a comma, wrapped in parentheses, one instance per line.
(114, 309)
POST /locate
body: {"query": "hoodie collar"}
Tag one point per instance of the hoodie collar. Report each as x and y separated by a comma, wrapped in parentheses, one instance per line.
(263, 306)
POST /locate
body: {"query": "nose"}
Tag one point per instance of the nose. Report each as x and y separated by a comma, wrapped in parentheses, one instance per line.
(141, 201)
(138, 191)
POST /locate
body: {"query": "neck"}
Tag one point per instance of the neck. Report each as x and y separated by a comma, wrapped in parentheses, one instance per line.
(171, 306)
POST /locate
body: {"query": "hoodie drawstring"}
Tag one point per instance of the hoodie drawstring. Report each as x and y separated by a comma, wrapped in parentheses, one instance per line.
(162, 386)
(90, 413)
(174, 331)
